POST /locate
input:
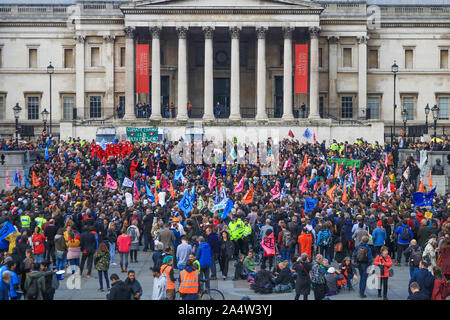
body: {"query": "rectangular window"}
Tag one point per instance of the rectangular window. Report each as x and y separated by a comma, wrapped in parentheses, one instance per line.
(32, 58)
(347, 107)
(373, 59)
(320, 58)
(409, 55)
(443, 108)
(33, 107)
(2, 107)
(373, 104)
(68, 58)
(408, 104)
(122, 56)
(444, 59)
(95, 57)
(68, 105)
(347, 56)
(95, 106)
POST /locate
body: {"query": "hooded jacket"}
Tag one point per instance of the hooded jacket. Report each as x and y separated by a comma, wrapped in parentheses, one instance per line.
(203, 254)
(119, 291)
(40, 282)
(425, 280)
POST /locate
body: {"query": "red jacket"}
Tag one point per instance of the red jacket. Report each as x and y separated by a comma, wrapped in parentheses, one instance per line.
(38, 243)
(441, 289)
(445, 254)
(387, 264)
(305, 243)
(123, 243)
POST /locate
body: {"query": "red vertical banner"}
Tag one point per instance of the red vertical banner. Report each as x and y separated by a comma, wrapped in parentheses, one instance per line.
(301, 68)
(142, 68)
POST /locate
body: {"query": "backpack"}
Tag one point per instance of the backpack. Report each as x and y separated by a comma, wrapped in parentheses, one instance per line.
(33, 290)
(132, 234)
(415, 257)
(362, 254)
(286, 238)
(325, 239)
(404, 234)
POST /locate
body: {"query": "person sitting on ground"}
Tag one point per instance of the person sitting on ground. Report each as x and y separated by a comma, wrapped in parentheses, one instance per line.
(240, 272)
(333, 279)
(284, 279)
(263, 282)
(249, 264)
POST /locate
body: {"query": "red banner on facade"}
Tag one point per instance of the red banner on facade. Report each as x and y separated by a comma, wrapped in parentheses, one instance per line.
(142, 68)
(301, 68)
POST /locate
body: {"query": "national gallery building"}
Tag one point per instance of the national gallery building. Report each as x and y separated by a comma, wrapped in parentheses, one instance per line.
(337, 67)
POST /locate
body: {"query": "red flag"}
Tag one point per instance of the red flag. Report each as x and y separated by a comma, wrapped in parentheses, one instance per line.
(248, 196)
(301, 68)
(142, 68)
(164, 184)
(135, 193)
(291, 134)
(314, 137)
(77, 181)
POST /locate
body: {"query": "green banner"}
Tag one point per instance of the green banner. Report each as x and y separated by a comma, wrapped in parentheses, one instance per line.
(346, 162)
(142, 134)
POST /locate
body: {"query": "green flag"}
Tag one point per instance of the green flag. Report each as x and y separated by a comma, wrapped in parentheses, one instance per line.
(201, 203)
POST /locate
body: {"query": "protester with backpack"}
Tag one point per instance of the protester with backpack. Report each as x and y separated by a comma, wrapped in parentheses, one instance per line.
(134, 234)
(123, 243)
(404, 236)
(384, 261)
(284, 243)
(363, 258)
(323, 241)
(413, 254)
(102, 262)
(34, 284)
(302, 268)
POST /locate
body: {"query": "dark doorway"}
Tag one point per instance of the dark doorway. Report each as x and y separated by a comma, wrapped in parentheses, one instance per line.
(278, 97)
(222, 95)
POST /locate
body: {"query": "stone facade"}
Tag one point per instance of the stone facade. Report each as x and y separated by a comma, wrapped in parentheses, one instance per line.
(352, 46)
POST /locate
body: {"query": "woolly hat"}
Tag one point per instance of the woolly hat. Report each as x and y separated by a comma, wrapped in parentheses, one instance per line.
(167, 259)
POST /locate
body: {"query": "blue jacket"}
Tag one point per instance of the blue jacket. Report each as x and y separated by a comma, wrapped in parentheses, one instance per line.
(14, 280)
(324, 235)
(203, 254)
(369, 252)
(379, 236)
(425, 280)
(213, 241)
(4, 290)
(399, 230)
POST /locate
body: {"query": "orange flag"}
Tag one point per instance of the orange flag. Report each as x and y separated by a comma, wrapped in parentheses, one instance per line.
(305, 161)
(344, 194)
(172, 192)
(330, 193)
(336, 171)
(430, 182)
(421, 188)
(36, 182)
(77, 181)
(372, 184)
(248, 196)
(156, 196)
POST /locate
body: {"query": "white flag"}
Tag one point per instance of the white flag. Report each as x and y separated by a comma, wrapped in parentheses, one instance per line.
(127, 183)
(406, 174)
(129, 199)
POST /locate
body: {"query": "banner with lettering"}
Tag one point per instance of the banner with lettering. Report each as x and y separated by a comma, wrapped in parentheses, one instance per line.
(142, 134)
(301, 68)
(142, 68)
(346, 162)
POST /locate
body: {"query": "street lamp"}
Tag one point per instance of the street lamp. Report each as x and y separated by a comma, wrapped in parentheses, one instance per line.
(427, 112)
(45, 114)
(394, 69)
(435, 112)
(405, 118)
(50, 71)
(17, 110)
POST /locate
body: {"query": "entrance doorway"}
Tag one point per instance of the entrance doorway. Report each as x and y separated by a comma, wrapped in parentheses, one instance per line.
(222, 95)
(278, 97)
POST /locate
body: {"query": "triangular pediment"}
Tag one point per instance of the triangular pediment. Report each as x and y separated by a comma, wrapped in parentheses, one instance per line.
(267, 4)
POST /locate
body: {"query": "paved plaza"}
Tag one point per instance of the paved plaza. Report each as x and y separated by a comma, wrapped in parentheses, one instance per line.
(233, 290)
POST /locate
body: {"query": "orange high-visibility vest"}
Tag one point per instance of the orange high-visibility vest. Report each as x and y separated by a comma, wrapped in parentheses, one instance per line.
(189, 282)
(166, 269)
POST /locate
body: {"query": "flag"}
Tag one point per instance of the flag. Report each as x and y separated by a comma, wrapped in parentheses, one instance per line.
(248, 197)
(110, 182)
(421, 188)
(212, 182)
(386, 159)
(303, 186)
(310, 204)
(158, 171)
(287, 164)
(172, 192)
(185, 204)
(388, 189)
(200, 203)
(330, 193)
(283, 191)
(210, 203)
(135, 192)
(228, 207)
(430, 182)
(127, 182)
(344, 194)
(305, 161)
(429, 197)
(77, 181)
(164, 184)
(7, 229)
(46, 153)
(17, 179)
(406, 173)
(149, 193)
(128, 199)
(51, 180)
(178, 174)
(400, 190)
(223, 171)
(336, 171)
(27, 184)
(276, 191)
(156, 195)
(268, 244)
(291, 134)
(103, 144)
(192, 194)
(307, 134)
(7, 180)
(314, 137)
(240, 186)
(380, 185)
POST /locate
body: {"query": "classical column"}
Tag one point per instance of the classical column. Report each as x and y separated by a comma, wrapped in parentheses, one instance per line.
(287, 74)
(156, 74)
(129, 74)
(314, 78)
(362, 77)
(332, 75)
(235, 109)
(209, 80)
(109, 75)
(79, 75)
(182, 74)
(261, 75)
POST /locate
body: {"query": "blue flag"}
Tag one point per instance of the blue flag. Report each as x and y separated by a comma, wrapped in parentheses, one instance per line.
(16, 179)
(185, 204)
(192, 194)
(307, 134)
(229, 206)
(283, 191)
(51, 180)
(217, 196)
(7, 229)
(149, 193)
(423, 200)
(103, 144)
(224, 171)
(313, 181)
(46, 154)
(178, 174)
(309, 204)
(27, 185)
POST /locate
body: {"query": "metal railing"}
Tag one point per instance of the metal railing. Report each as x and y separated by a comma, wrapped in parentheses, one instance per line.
(342, 121)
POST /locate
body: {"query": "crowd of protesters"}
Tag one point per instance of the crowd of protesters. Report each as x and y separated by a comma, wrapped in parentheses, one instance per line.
(353, 225)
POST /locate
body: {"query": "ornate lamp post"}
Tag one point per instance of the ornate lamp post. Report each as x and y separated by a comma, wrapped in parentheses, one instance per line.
(45, 114)
(17, 110)
(405, 119)
(427, 112)
(435, 112)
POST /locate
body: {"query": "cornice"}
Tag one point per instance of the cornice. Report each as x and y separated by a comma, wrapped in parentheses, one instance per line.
(33, 24)
(218, 11)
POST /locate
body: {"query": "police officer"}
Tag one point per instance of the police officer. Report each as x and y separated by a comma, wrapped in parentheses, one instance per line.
(236, 229)
(25, 221)
(40, 220)
(246, 236)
